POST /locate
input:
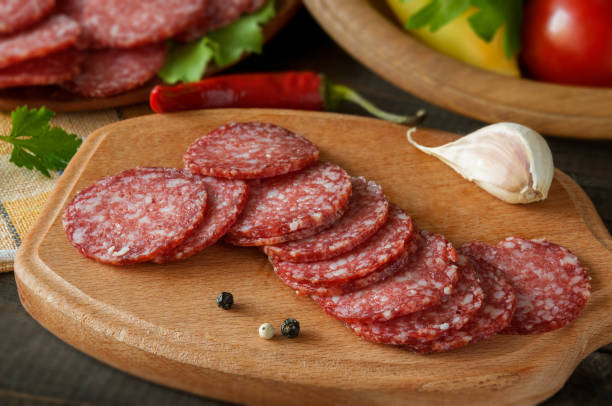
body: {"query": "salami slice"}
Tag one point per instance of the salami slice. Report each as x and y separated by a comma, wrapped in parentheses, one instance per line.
(134, 216)
(255, 5)
(551, 285)
(132, 23)
(54, 34)
(384, 247)
(18, 14)
(51, 69)
(75, 9)
(480, 251)
(293, 202)
(365, 215)
(430, 274)
(113, 71)
(249, 151)
(217, 14)
(494, 315)
(226, 199)
(380, 274)
(293, 236)
(72, 8)
(453, 313)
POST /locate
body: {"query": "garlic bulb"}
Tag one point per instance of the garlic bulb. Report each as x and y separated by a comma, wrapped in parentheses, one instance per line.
(508, 160)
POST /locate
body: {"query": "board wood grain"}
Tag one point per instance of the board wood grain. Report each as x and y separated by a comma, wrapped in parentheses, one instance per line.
(371, 34)
(161, 322)
(60, 100)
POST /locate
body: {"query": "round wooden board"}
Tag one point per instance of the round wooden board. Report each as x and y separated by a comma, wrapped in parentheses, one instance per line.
(161, 322)
(60, 100)
(369, 32)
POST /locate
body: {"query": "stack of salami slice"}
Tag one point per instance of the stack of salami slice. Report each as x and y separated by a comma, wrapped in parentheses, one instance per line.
(100, 48)
(329, 235)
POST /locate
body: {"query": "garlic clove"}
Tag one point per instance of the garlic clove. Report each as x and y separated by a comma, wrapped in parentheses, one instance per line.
(510, 161)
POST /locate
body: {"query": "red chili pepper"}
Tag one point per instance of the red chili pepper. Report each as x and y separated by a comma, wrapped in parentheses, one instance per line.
(289, 90)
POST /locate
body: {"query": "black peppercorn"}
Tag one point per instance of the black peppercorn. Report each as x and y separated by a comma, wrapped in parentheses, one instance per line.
(290, 328)
(225, 300)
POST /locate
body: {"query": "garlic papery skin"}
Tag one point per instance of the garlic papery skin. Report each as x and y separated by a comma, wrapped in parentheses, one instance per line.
(510, 161)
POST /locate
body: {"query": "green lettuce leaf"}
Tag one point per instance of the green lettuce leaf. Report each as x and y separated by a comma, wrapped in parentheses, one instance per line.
(188, 62)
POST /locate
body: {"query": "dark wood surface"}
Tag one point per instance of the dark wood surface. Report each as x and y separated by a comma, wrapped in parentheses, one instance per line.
(37, 368)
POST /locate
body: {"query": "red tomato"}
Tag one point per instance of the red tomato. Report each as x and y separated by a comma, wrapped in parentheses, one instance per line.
(568, 41)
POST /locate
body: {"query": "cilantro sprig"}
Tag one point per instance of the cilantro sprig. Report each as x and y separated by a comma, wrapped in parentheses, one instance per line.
(188, 62)
(490, 17)
(37, 145)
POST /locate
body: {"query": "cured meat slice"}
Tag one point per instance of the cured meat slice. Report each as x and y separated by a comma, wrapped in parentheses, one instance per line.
(131, 23)
(500, 300)
(430, 274)
(134, 216)
(249, 151)
(72, 8)
(75, 9)
(480, 251)
(293, 202)
(54, 34)
(453, 313)
(494, 315)
(18, 14)
(297, 235)
(112, 71)
(255, 5)
(51, 69)
(218, 14)
(226, 199)
(385, 246)
(366, 213)
(380, 274)
(550, 284)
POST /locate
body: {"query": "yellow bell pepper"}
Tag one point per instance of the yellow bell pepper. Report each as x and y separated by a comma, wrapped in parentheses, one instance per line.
(457, 39)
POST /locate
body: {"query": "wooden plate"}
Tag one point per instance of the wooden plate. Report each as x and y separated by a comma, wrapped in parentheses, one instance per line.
(162, 323)
(369, 32)
(60, 100)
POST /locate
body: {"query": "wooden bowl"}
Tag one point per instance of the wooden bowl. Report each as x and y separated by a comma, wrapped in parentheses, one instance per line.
(369, 32)
(60, 100)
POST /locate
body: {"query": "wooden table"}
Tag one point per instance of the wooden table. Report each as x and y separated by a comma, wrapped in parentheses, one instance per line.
(37, 368)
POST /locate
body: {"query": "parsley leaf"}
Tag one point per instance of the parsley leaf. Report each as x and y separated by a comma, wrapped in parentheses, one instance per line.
(188, 62)
(495, 14)
(36, 144)
(437, 14)
(491, 15)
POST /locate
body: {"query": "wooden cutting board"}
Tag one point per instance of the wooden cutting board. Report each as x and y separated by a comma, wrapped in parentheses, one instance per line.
(162, 323)
(370, 32)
